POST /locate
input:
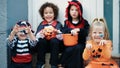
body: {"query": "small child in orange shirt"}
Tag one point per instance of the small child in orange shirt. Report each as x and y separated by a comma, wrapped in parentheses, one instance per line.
(99, 47)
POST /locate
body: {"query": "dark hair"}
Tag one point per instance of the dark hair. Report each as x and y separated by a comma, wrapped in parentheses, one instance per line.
(47, 4)
(24, 23)
(69, 6)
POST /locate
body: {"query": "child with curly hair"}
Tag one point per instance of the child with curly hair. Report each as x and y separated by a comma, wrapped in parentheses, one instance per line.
(49, 35)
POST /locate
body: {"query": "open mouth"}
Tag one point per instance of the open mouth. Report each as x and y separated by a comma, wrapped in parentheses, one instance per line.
(97, 37)
(23, 35)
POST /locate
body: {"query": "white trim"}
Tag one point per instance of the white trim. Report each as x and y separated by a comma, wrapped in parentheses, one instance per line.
(30, 5)
(116, 26)
(32, 16)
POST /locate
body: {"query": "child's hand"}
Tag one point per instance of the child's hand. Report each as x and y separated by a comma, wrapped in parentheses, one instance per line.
(59, 36)
(77, 29)
(28, 29)
(49, 29)
(58, 31)
(40, 34)
(74, 32)
(88, 46)
(15, 29)
(102, 42)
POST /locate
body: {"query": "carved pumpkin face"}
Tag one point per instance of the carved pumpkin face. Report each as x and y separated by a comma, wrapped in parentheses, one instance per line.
(49, 32)
(96, 52)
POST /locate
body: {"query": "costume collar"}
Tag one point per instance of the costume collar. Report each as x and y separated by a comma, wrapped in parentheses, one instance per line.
(54, 23)
(70, 25)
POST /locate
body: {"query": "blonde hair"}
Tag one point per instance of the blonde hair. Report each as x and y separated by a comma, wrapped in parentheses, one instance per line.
(100, 22)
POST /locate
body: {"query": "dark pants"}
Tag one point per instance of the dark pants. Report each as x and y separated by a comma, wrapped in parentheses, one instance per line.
(42, 48)
(21, 65)
(72, 57)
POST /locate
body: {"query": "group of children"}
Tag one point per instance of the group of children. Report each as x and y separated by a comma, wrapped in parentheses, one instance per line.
(49, 37)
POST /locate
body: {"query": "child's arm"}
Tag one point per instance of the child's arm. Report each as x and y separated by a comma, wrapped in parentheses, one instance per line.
(107, 49)
(59, 29)
(11, 36)
(83, 32)
(30, 33)
(32, 38)
(86, 54)
(59, 26)
(87, 51)
(13, 32)
(11, 40)
(66, 29)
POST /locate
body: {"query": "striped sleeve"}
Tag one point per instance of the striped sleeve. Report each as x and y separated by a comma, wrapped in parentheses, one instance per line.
(11, 44)
(32, 42)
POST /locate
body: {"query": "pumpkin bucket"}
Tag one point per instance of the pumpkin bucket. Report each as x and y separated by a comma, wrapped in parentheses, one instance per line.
(49, 32)
(70, 40)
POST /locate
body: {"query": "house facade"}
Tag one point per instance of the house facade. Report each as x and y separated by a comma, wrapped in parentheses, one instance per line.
(12, 11)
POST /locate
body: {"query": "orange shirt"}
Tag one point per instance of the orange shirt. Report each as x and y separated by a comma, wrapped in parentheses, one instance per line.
(97, 52)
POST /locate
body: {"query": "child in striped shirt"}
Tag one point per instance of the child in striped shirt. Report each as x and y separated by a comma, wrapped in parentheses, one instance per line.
(21, 40)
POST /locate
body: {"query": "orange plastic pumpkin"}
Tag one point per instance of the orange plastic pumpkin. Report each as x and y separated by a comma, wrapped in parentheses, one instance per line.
(108, 64)
(49, 32)
(70, 40)
(100, 55)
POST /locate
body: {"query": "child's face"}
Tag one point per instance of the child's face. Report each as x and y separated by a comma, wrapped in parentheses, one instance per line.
(97, 33)
(21, 35)
(74, 12)
(48, 14)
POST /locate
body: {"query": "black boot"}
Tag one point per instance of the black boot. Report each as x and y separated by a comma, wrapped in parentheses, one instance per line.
(40, 66)
(53, 66)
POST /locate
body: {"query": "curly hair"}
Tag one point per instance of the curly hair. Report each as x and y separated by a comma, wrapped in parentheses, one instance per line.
(53, 6)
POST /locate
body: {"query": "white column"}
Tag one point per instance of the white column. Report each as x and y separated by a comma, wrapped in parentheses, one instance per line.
(100, 8)
(33, 13)
(116, 40)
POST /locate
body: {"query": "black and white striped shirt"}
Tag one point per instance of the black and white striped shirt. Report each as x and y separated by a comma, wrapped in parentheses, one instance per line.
(22, 46)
